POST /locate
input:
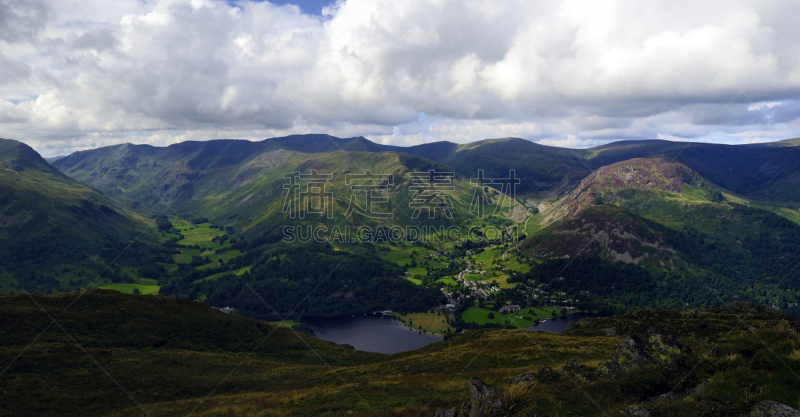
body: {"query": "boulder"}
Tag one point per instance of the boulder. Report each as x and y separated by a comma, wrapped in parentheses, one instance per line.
(773, 409)
(526, 377)
(484, 398)
(636, 411)
(446, 413)
(699, 389)
(546, 373)
(656, 346)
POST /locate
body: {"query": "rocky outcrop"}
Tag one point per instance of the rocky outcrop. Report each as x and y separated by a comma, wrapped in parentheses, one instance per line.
(543, 374)
(573, 371)
(484, 398)
(657, 346)
(440, 412)
(636, 411)
(773, 409)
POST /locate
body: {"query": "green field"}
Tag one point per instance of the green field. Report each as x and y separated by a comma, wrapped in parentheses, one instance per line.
(474, 277)
(448, 281)
(480, 315)
(414, 280)
(201, 235)
(429, 322)
(128, 288)
(418, 270)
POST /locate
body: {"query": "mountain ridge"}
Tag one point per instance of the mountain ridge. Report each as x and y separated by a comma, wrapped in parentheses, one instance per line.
(759, 172)
(53, 226)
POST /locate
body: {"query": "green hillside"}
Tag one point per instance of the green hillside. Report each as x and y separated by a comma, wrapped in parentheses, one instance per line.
(763, 172)
(685, 245)
(670, 209)
(241, 184)
(545, 171)
(58, 234)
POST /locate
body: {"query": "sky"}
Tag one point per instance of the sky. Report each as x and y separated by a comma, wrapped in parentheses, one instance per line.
(83, 74)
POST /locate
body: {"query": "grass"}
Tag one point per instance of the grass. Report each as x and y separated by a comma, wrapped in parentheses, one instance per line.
(448, 281)
(285, 323)
(480, 315)
(474, 277)
(128, 288)
(167, 353)
(418, 271)
(414, 280)
(426, 321)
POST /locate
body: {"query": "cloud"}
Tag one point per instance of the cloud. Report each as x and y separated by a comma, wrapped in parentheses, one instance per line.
(575, 73)
(22, 20)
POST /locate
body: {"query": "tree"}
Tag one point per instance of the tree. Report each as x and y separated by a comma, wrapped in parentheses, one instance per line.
(136, 291)
(491, 316)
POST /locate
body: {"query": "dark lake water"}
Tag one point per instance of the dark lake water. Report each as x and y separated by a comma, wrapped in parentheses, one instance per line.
(371, 333)
(558, 325)
(385, 335)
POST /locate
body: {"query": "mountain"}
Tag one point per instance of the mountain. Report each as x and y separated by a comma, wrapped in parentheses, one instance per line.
(763, 173)
(241, 184)
(767, 173)
(672, 210)
(635, 181)
(56, 233)
(545, 171)
(122, 355)
(688, 243)
(55, 158)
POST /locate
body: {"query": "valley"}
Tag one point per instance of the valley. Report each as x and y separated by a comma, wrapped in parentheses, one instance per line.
(469, 244)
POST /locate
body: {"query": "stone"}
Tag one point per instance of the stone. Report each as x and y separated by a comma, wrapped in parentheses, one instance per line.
(446, 413)
(657, 346)
(484, 398)
(636, 411)
(572, 365)
(773, 409)
(526, 377)
(699, 389)
(546, 373)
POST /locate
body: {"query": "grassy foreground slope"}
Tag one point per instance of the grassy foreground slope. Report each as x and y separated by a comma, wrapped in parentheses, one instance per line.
(176, 357)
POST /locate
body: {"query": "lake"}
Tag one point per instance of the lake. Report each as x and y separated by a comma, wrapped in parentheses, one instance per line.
(385, 335)
(371, 333)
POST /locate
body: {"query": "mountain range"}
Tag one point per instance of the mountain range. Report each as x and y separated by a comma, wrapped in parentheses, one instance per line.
(674, 210)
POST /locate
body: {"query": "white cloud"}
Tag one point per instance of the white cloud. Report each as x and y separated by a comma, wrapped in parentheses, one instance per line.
(569, 73)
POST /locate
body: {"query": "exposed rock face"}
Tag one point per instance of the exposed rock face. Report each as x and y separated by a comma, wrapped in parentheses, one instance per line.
(546, 373)
(446, 413)
(636, 411)
(636, 351)
(573, 370)
(526, 377)
(699, 389)
(484, 398)
(773, 409)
